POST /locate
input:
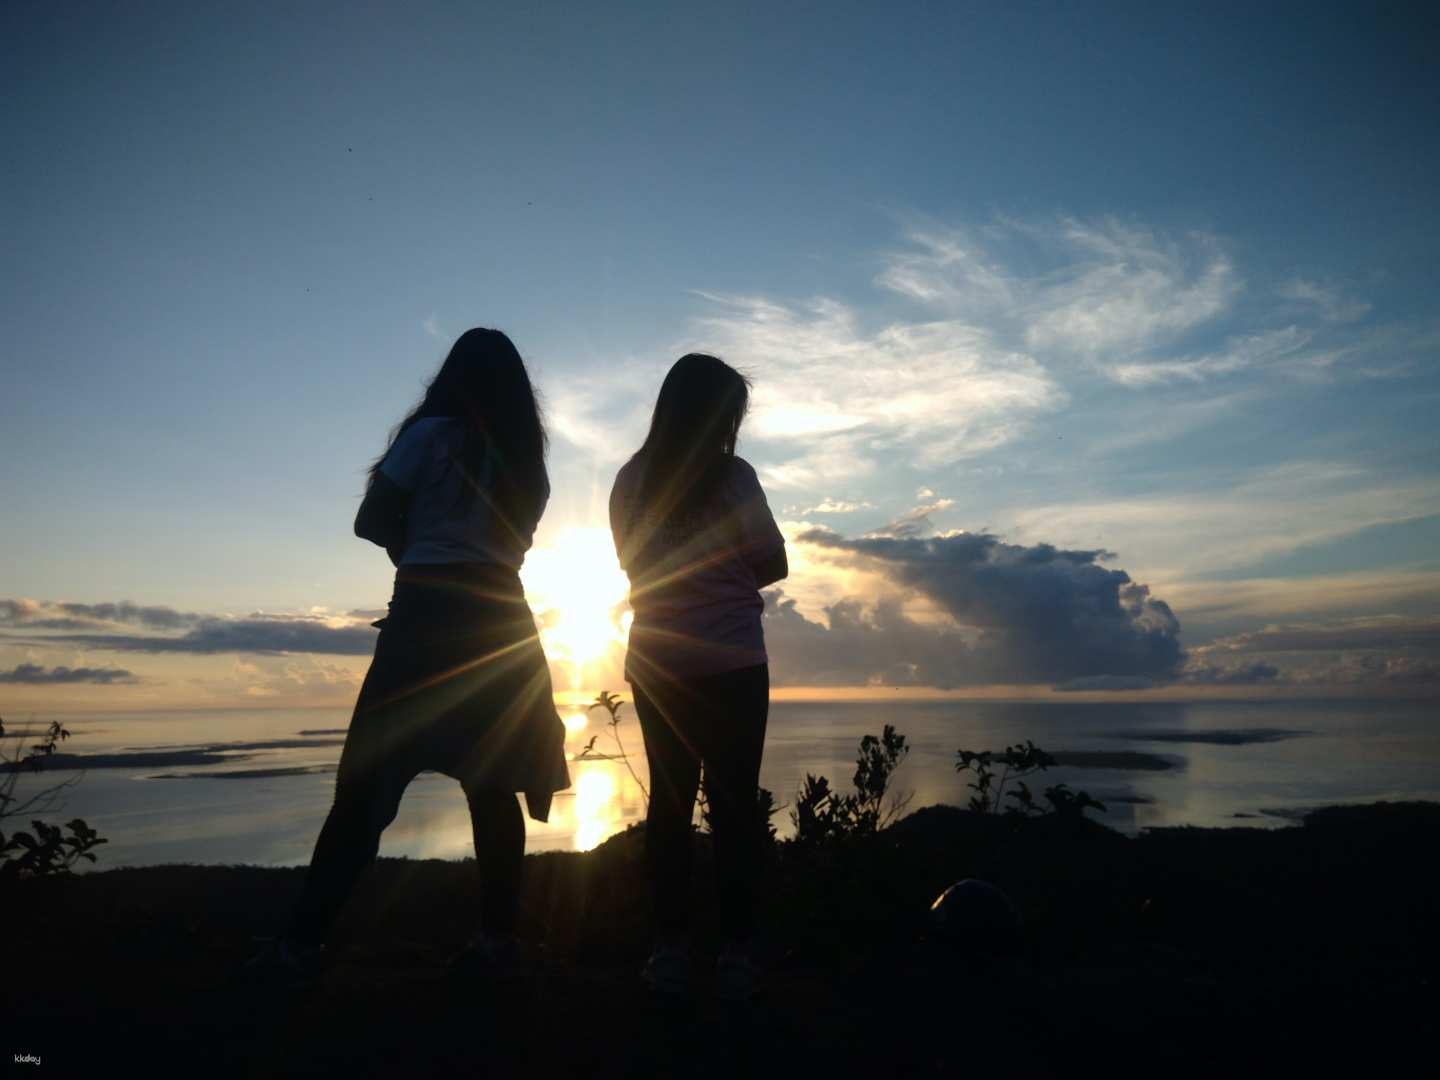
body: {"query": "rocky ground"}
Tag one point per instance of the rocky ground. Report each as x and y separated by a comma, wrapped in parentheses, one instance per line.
(1308, 949)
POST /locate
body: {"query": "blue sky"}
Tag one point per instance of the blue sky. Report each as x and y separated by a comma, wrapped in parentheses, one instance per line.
(1153, 279)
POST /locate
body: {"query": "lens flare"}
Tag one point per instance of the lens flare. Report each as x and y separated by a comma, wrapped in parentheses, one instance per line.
(576, 587)
(594, 809)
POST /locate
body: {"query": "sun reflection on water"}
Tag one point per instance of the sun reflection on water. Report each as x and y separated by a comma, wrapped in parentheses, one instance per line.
(595, 808)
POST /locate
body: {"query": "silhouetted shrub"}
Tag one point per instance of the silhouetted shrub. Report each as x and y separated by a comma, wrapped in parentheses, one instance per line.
(47, 850)
(822, 814)
(1019, 760)
(765, 810)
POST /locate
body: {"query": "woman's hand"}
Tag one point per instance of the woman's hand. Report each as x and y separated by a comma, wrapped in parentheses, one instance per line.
(381, 517)
(771, 569)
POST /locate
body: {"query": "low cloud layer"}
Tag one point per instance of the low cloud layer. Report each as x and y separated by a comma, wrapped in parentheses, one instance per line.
(1255, 673)
(1375, 651)
(946, 611)
(1389, 633)
(264, 637)
(38, 675)
(46, 615)
(114, 626)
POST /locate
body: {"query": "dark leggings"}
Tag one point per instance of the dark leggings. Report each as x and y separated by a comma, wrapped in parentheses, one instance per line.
(718, 722)
(393, 737)
(459, 685)
(365, 803)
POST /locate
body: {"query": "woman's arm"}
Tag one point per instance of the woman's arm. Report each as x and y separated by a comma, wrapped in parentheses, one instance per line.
(761, 543)
(381, 517)
(771, 569)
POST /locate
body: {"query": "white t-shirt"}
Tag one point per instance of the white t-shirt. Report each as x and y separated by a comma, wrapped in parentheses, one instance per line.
(697, 607)
(439, 526)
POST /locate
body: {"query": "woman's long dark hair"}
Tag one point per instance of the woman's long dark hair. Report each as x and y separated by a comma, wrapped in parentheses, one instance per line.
(483, 382)
(692, 434)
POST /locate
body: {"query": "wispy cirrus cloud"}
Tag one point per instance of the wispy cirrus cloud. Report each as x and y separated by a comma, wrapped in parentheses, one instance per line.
(976, 332)
(833, 399)
(1136, 305)
(606, 413)
(1331, 302)
(1068, 288)
(1250, 352)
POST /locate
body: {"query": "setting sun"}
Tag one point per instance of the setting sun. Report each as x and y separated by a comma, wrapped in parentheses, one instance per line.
(576, 588)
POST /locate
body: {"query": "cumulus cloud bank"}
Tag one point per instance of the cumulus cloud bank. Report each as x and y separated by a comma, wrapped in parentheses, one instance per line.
(1016, 615)
(860, 644)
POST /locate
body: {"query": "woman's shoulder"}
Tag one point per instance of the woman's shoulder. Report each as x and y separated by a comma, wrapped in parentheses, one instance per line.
(742, 475)
(413, 455)
(426, 429)
(438, 426)
(627, 478)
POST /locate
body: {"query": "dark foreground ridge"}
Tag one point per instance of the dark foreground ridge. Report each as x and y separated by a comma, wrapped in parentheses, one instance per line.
(1309, 950)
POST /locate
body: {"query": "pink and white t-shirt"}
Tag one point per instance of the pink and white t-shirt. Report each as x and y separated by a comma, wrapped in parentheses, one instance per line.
(693, 586)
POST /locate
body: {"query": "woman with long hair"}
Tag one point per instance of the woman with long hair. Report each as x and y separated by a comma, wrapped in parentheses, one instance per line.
(694, 534)
(459, 683)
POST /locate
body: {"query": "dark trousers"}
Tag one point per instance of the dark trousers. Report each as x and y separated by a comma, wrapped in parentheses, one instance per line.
(449, 690)
(718, 722)
(367, 798)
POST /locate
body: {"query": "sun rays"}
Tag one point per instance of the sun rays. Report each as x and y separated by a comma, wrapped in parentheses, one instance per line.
(577, 590)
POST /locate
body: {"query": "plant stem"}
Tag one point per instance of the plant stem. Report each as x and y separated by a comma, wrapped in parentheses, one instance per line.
(615, 733)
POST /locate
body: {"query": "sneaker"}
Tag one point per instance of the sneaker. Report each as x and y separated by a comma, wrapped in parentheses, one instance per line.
(667, 971)
(285, 963)
(737, 976)
(491, 959)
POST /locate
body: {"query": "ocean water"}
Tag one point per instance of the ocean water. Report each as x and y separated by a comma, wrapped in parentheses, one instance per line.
(1227, 764)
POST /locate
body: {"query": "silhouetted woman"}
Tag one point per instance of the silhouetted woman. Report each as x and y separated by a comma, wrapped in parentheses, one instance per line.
(459, 683)
(698, 542)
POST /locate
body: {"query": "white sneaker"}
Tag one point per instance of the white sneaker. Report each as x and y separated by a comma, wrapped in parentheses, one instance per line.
(668, 971)
(489, 959)
(284, 962)
(737, 976)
